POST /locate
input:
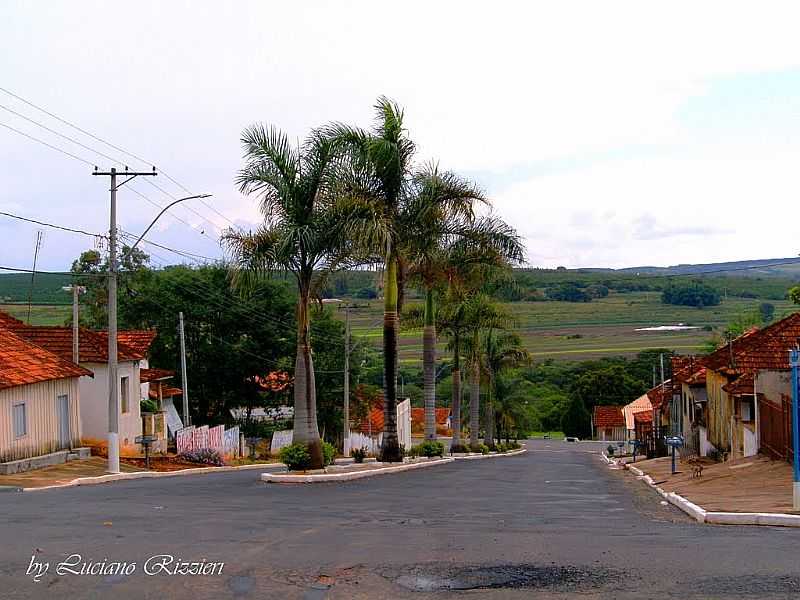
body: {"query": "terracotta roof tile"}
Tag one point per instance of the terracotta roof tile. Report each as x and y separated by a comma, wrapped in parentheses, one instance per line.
(148, 375)
(166, 392)
(767, 348)
(418, 415)
(643, 416)
(608, 416)
(139, 340)
(93, 344)
(660, 394)
(23, 363)
(9, 322)
(741, 386)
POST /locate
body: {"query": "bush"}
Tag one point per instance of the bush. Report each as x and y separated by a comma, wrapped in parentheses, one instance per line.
(413, 452)
(328, 453)
(513, 445)
(482, 448)
(204, 456)
(431, 448)
(359, 454)
(296, 457)
(459, 448)
(148, 405)
(502, 447)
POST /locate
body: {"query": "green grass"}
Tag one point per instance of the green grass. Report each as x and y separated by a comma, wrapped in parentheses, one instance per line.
(581, 331)
(53, 314)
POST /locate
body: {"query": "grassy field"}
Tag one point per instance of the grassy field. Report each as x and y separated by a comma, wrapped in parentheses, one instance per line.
(581, 331)
(41, 314)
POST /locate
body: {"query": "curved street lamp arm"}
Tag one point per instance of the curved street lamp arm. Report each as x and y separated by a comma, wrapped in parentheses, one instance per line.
(158, 216)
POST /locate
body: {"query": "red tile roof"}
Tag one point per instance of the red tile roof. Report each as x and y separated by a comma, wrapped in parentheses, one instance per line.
(166, 392)
(660, 394)
(688, 369)
(148, 375)
(418, 416)
(138, 339)
(766, 348)
(608, 416)
(23, 363)
(643, 416)
(93, 344)
(9, 322)
(373, 423)
(741, 386)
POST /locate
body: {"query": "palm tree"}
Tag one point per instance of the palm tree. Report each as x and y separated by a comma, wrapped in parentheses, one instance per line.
(374, 188)
(502, 350)
(482, 314)
(300, 235)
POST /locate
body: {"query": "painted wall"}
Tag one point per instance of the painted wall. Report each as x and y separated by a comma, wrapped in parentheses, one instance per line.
(94, 404)
(42, 418)
(719, 410)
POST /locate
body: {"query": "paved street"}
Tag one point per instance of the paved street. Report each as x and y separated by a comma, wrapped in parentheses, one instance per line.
(554, 521)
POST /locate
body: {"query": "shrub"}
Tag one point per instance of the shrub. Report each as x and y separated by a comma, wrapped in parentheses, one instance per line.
(459, 448)
(296, 457)
(413, 452)
(204, 456)
(431, 448)
(513, 445)
(328, 453)
(482, 448)
(359, 454)
(148, 405)
(501, 447)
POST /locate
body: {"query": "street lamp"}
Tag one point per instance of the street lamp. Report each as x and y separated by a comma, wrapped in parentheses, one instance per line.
(113, 405)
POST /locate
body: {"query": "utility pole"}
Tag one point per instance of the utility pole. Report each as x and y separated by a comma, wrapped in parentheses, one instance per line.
(346, 411)
(76, 290)
(113, 383)
(33, 272)
(187, 420)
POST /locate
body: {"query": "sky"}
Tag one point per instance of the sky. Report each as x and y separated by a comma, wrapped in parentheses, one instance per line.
(610, 134)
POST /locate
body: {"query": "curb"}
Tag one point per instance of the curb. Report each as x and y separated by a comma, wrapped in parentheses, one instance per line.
(335, 477)
(496, 455)
(111, 477)
(701, 515)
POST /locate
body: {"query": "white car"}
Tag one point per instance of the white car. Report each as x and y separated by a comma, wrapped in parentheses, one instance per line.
(571, 439)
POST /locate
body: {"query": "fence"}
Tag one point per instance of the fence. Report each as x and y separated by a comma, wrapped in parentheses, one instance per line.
(224, 441)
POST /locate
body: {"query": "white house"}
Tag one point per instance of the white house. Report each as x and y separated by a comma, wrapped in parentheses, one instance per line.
(39, 405)
(93, 355)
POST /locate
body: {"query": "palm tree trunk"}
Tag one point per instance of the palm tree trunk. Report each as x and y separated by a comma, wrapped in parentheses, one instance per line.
(306, 430)
(488, 432)
(455, 402)
(390, 447)
(429, 366)
(474, 403)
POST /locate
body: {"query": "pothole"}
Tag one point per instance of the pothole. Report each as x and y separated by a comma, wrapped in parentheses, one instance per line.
(444, 577)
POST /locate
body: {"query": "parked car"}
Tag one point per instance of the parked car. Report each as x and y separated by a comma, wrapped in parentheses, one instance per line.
(546, 436)
(571, 439)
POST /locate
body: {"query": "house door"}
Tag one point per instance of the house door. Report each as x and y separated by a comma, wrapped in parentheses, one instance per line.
(62, 409)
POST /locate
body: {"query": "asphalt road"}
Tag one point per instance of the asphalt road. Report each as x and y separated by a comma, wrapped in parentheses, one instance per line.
(552, 523)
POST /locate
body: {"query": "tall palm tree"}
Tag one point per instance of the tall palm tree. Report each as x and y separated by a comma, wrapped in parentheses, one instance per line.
(482, 255)
(482, 315)
(502, 350)
(301, 234)
(374, 188)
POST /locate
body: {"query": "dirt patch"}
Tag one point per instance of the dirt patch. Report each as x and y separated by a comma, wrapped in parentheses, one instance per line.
(161, 463)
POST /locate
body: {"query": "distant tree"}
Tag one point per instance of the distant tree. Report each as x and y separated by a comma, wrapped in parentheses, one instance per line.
(767, 311)
(576, 421)
(690, 294)
(610, 385)
(568, 292)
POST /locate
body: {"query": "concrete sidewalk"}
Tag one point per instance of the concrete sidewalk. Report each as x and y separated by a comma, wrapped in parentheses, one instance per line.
(61, 474)
(755, 484)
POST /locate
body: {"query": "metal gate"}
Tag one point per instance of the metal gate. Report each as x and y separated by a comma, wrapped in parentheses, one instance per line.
(775, 427)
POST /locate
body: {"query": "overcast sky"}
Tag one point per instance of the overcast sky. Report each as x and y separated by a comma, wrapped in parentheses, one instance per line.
(609, 133)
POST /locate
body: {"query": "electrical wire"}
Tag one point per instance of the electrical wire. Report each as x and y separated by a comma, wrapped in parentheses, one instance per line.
(45, 224)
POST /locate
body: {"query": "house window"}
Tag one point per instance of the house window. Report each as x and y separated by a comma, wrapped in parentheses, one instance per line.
(123, 395)
(747, 410)
(20, 420)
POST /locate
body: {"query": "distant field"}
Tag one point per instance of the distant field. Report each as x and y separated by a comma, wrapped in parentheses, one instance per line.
(40, 314)
(581, 331)
(558, 330)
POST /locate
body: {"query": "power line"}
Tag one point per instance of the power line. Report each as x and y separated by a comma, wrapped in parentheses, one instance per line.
(45, 224)
(183, 253)
(35, 139)
(109, 144)
(21, 270)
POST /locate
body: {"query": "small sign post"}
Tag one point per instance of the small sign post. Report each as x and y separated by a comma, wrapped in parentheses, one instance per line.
(146, 441)
(794, 361)
(674, 442)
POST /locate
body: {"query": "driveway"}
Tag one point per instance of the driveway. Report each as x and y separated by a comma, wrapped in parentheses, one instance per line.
(554, 521)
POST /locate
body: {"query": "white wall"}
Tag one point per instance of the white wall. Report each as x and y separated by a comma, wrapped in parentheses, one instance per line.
(94, 403)
(42, 424)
